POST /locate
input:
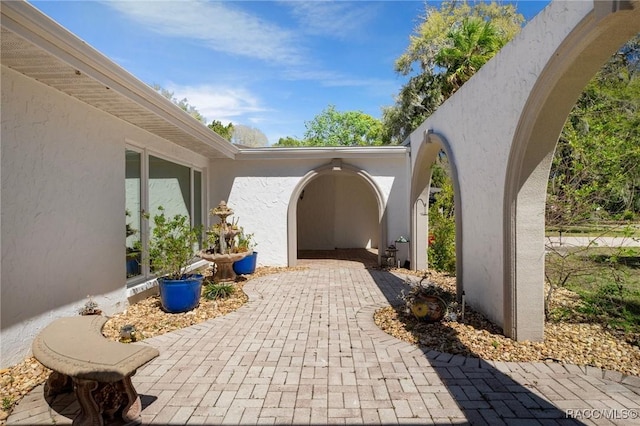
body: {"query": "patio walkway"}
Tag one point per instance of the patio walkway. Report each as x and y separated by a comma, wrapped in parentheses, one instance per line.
(305, 350)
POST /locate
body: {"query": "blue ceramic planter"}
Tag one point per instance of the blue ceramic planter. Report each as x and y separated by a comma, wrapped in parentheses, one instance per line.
(180, 295)
(246, 265)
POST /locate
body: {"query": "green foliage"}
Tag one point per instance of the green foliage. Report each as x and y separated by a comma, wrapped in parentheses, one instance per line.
(224, 131)
(451, 44)
(171, 248)
(607, 281)
(351, 128)
(214, 291)
(442, 226)
(7, 403)
(596, 168)
(288, 142)
(245, 241)
(472, 44)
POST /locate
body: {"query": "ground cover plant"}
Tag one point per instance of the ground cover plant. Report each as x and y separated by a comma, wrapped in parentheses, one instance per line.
(608, 283)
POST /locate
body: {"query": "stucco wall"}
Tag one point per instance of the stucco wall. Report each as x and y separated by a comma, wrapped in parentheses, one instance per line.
(337, 211)
(63, 198)
(259, 191)
(480, 126)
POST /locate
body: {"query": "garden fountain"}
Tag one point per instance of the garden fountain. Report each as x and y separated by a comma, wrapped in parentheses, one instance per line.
(223, 250)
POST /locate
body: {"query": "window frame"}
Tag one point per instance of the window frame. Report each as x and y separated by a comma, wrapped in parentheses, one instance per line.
(146, 274)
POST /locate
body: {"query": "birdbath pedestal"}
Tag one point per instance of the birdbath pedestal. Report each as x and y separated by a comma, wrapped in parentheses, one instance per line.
(224, 264)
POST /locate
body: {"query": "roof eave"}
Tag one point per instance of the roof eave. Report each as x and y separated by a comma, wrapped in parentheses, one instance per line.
(29, 23)
(298, 153)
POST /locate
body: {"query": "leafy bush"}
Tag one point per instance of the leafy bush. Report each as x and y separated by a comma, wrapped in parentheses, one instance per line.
(442, 227)
(442, 250)
(171, 248)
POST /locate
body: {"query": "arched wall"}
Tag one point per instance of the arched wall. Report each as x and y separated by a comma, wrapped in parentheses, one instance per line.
(503, 144)
(578, 58)
(335, 167)
(420, 183)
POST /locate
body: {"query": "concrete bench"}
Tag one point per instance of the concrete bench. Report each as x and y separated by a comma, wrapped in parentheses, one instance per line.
(98, 370)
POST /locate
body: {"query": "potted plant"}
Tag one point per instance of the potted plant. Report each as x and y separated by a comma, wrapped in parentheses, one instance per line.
(246, 243)
(171, 251)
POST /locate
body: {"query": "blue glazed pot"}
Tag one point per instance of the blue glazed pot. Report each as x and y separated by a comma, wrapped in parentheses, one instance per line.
(246, 265)
(180, 295)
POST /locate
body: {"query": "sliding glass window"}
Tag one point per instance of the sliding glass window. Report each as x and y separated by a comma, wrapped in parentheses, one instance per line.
(174, 187)
(133, 209)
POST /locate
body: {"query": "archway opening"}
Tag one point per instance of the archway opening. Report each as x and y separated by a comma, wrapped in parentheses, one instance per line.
(441, 238)
(593, 200)
(557, 89)
(336, 212)
(436, 215)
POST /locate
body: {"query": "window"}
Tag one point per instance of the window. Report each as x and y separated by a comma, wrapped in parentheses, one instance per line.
(152, 182)
(133, 191)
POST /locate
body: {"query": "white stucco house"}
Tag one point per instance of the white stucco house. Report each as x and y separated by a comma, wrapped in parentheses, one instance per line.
(83, 141)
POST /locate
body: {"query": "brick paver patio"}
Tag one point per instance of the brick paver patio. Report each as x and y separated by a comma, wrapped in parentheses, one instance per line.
(305, 350)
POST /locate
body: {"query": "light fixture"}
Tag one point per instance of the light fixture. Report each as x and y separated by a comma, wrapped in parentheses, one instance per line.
(424, 205)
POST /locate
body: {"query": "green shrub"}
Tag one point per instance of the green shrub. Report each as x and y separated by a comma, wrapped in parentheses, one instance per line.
(442, 250)
(213, 291)
(442, 229)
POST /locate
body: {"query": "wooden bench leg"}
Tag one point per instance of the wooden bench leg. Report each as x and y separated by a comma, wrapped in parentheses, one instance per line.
(89, 412)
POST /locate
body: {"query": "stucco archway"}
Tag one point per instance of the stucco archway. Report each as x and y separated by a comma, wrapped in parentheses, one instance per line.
(333, 168)
(420, 183)
(575, 62)
(501, 128)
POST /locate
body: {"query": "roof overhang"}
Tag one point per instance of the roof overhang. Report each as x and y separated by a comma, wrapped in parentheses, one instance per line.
(386, 152)
(39, 48)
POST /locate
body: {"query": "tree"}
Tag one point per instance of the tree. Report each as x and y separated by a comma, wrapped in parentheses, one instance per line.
(288, 142)
(351, 128)
(434, 59)
(224, 131)
(248, 136)
(473, 43)
(182, 103)
(596, 167)
(442, 224)
(595, 175)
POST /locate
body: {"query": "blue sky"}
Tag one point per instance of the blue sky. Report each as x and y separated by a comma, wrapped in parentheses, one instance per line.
(272, 65)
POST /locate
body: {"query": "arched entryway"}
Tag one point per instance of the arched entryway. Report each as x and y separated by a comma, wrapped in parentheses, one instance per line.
(575, 62)
(335, 206)
(426, 156)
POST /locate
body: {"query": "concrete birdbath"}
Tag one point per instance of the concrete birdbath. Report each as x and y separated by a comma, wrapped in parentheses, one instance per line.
(223, 250)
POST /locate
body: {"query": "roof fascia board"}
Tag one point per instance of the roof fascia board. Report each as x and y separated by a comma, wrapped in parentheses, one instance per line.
(35, 27)
(273, 153)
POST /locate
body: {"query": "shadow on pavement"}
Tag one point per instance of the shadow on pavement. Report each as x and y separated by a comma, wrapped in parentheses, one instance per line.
(483, 393)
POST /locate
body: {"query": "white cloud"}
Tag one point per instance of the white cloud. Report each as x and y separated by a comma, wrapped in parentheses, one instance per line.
(225, 104)
(333, 19)
(220, 26)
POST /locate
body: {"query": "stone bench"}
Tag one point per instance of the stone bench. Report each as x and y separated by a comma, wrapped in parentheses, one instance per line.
(98, 370)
